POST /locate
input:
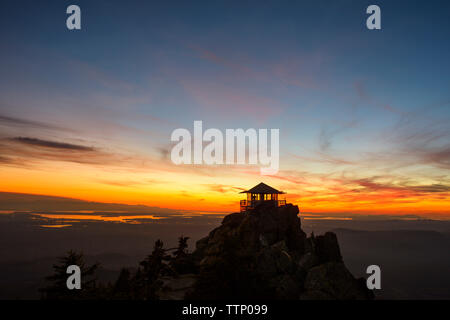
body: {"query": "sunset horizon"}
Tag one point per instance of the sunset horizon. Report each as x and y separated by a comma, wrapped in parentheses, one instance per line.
(220, 150)
(358, 134)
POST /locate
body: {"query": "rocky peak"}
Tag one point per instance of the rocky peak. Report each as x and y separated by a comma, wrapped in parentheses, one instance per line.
(264, 253)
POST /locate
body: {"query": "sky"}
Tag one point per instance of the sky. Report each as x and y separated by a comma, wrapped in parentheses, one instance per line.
(363, 114)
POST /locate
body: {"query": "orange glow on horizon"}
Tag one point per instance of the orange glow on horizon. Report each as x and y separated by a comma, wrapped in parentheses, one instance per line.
(189, 191)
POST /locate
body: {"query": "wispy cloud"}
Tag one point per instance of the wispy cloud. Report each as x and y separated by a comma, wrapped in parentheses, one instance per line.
(22, 122)
(286, 69)
(30, 150)
(327, 133)
(368, 99)
(222, 188)
(51, 144)
(37, 203)
(130, 183)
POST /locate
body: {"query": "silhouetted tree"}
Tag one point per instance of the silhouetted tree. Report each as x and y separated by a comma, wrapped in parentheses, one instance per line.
(123, 287)
(143, 284)
(153, 267)
(182, 247)
(182, 261)
(57, 288)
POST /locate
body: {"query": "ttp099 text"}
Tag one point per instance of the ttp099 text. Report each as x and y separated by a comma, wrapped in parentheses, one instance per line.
(230, 309)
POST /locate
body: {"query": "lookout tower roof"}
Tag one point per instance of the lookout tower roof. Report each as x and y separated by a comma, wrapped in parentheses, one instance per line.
(263, 188)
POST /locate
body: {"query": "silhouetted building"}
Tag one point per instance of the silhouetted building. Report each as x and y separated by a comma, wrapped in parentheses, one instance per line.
(261, 193)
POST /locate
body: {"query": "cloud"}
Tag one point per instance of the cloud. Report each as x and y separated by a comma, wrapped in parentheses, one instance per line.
(29, 151)
(439, 157)
(164, 152)
(229, 101)
(403, 188)
(364, 97)
(213, 57)
(329, 132)
(13, 161)
(51, 144)
(287, 69)
(431, 188)
(323, 157)
(5, 160)
(222, 188)
(377, 193)
(295, 177)
(37, 203)
(21, 122)
(128, 183)
(420, 138)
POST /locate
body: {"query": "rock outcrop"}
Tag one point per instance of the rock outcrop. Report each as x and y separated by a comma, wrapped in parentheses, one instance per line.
(264, 254)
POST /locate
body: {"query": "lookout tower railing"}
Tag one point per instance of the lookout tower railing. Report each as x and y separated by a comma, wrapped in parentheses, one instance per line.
(250, 204)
